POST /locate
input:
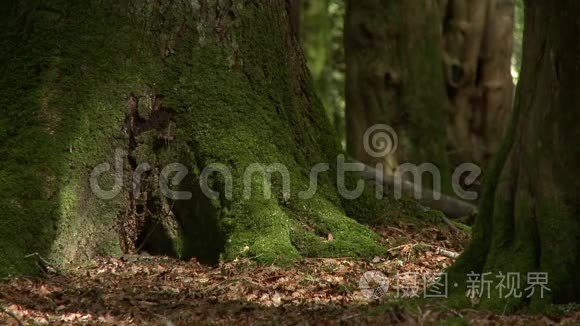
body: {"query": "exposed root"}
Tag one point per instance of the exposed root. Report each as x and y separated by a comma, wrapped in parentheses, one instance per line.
(450, 206)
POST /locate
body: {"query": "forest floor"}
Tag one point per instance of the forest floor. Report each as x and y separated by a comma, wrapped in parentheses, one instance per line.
(158, 290)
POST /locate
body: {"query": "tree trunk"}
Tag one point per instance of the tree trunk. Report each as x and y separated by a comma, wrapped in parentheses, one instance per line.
(295, 16)
(478, 45)
(395, 77)
(394, 55)
(194, 82)
(529, 212)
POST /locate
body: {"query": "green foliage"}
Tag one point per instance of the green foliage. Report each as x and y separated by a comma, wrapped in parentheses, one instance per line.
(518, 39)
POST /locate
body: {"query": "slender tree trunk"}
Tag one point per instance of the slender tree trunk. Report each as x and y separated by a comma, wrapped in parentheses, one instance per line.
(194, 82)
(529, 212)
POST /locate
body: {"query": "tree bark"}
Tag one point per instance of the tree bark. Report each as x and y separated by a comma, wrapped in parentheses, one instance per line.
(394, 77)
(529, 213)
(478, 45)
(194, 82)
(295, 16)
(394, 52)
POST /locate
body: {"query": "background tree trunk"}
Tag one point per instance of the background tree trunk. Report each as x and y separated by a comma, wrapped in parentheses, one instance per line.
(395, 55)
(194, 82)
(478, 47)
(529, 213)
(394, 77)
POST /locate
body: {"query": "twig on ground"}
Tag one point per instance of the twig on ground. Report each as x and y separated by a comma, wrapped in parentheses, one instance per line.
(447, 253)
(401, 246)
(450, 224)
(455, 312)
(397, 229)
(43, 264)
(345, 318)
(215, 287)
(440, 251)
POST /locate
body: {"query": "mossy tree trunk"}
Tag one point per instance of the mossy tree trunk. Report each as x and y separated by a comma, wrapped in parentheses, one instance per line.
(395, 77)
(529, 212)
(194, 82)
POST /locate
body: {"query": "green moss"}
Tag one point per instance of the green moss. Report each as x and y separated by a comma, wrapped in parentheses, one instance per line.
(321, 229)
(61, 118)
(370, 210)
(232, 96)
(261, 232)
(68, 71)
(260, 121)
(557, 233)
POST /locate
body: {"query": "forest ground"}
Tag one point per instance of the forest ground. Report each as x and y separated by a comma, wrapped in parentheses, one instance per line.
(159, 290)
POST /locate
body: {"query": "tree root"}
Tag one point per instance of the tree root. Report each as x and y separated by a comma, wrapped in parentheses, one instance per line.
(452, 207)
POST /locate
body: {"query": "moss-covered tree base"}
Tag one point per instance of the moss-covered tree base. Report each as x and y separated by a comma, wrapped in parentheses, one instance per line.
(190, 82)
(529, 212)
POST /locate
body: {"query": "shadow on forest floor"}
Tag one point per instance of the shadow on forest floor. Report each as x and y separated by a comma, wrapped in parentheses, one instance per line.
(158, 290)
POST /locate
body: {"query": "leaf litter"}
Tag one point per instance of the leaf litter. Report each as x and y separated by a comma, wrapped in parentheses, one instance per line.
(136, 290)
